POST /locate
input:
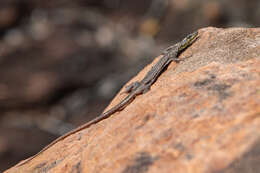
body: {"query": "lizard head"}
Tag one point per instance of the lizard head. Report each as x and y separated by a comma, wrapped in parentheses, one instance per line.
(188, 40)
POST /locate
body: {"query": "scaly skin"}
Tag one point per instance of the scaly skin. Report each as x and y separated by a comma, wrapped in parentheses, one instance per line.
(134, 89)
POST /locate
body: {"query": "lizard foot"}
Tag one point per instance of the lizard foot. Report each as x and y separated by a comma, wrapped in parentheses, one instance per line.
(179, 60)
(146, 89)
(131, 87)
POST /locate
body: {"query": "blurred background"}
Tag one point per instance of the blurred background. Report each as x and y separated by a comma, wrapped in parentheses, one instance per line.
(62, 61)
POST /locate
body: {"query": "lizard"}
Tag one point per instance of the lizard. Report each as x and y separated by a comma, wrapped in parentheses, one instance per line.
(134, 89)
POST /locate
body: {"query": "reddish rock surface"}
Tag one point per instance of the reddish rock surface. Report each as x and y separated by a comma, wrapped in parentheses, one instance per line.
(201, 116)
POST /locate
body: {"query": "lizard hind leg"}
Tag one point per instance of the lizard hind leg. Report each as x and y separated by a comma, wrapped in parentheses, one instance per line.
(146, 89)
(143, 89)
(131, 87)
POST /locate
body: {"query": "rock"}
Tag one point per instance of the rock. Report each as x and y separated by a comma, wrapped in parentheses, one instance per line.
(201, 116)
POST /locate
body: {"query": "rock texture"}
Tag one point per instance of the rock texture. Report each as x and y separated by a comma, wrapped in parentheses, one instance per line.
(201, 116)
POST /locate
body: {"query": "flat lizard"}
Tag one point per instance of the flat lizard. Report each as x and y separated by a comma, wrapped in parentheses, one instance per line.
(135, 88)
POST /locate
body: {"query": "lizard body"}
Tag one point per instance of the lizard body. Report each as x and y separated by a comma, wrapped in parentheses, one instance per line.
(134, 89)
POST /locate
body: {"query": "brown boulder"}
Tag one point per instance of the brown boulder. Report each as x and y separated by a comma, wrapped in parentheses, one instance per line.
(201, 115)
